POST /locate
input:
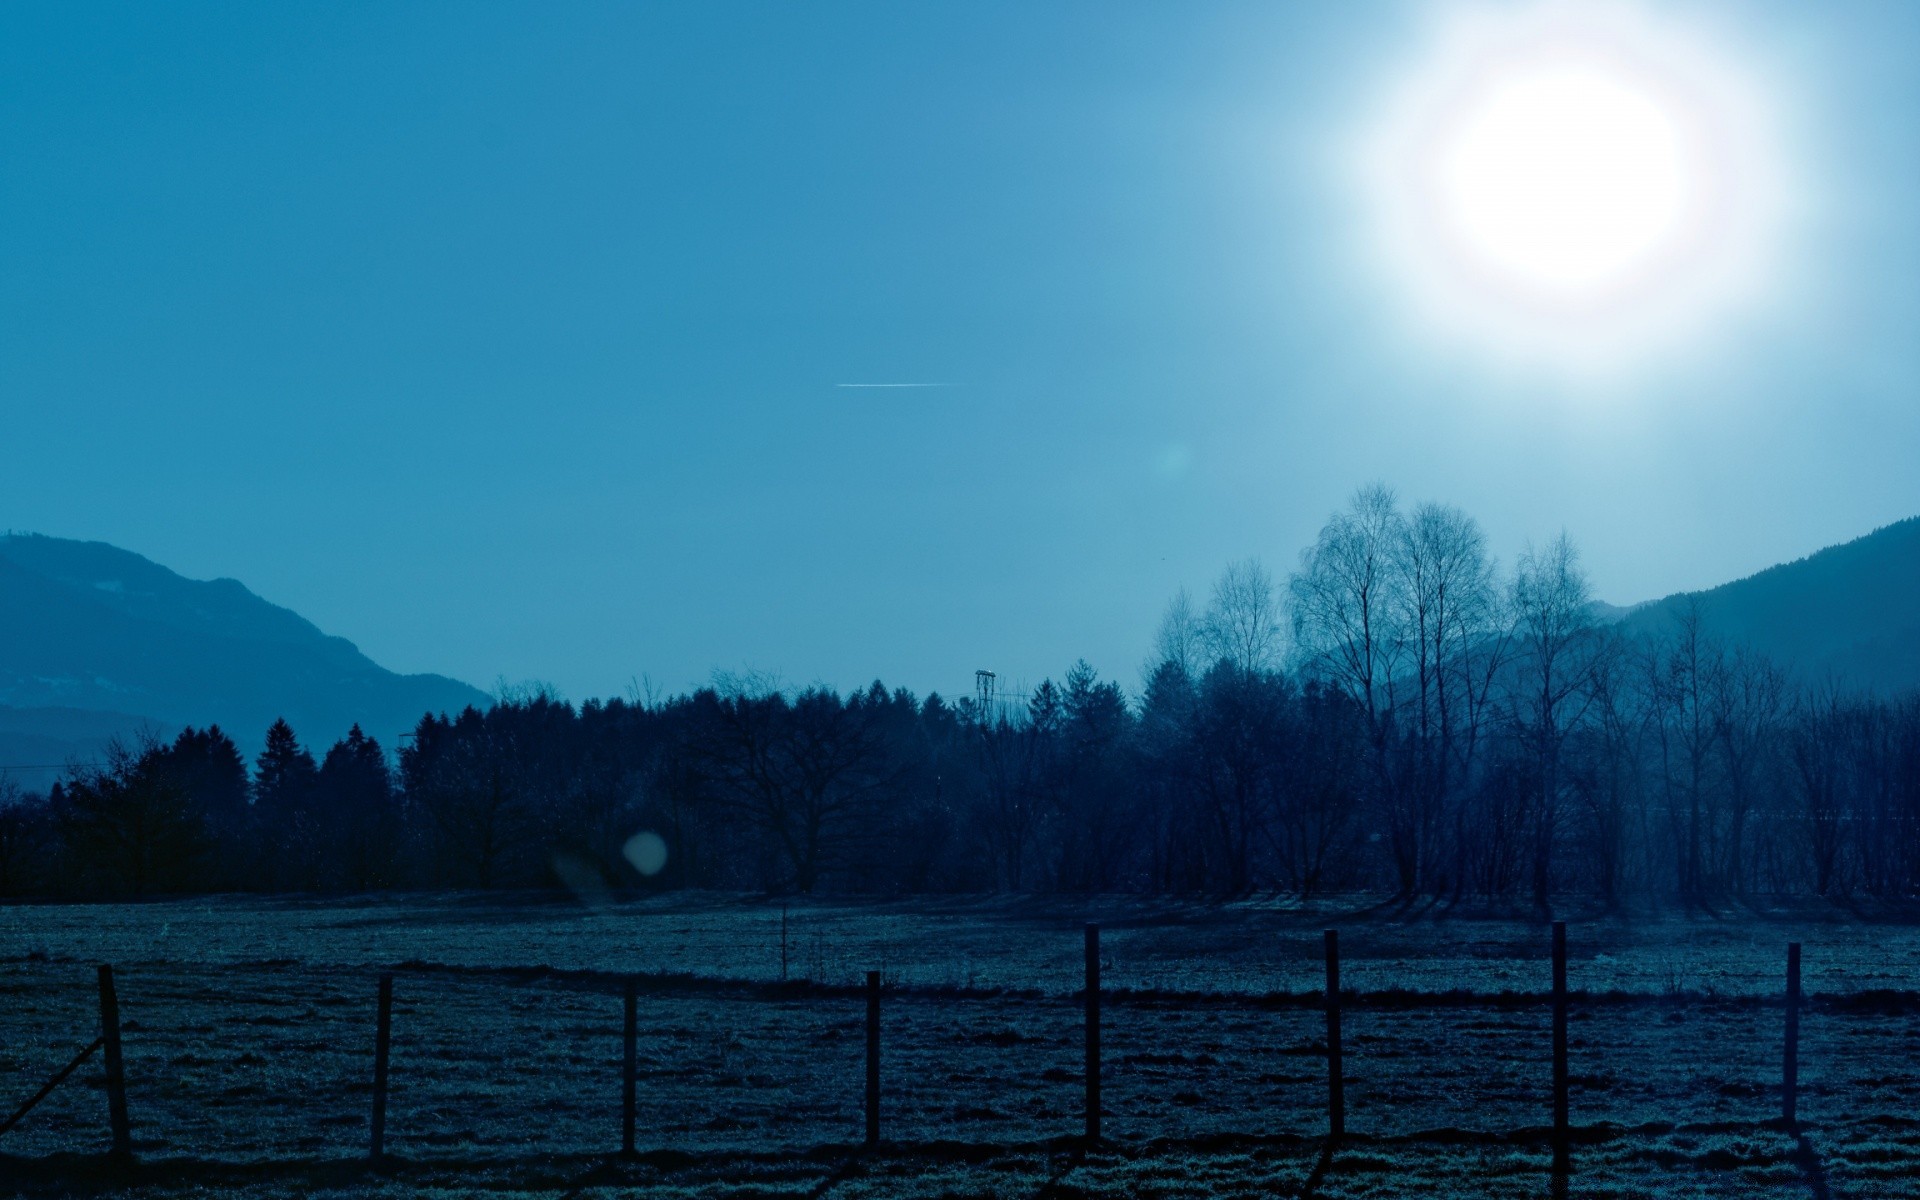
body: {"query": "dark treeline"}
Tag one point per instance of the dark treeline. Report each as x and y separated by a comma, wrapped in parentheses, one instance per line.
(1398, 716)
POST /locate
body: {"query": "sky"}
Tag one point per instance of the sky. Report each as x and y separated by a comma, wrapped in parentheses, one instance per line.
(508, 341)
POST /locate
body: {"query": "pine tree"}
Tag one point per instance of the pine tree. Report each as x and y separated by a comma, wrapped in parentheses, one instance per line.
(208, 768)
(284, 792)
(361, 819)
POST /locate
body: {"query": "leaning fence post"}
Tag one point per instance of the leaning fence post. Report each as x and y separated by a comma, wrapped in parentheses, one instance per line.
(59, 1077)
(630, 1066)
(1790, 1070)
(382, 1037)
(1561, 1148)
(116, 1067)
(1093, 1032)
(1336, 1080)
(873, 1057)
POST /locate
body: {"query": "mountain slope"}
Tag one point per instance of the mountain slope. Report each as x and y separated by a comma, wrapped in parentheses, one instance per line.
(89, 627)
(1851, 611)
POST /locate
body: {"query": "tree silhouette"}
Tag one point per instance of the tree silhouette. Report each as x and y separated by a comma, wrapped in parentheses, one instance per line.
(284, 800)
(130, 827)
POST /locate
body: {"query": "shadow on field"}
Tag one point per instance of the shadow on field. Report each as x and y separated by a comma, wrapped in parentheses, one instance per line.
(1808, 1160)
(620, 1171)
(1057, 1168)
(777, 1173)
(1309, 1168)
(1320, 1168)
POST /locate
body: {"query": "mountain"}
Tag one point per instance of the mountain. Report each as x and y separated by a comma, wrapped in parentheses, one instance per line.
(96, 640)
(36, 743)
(1850, 612)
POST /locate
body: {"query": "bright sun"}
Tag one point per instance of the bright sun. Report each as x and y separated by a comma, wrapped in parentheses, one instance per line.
(1574, 176)
(1563, 177)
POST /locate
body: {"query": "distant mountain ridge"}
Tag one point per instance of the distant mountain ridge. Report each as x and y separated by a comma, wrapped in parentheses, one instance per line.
(92, 636)
(95, 640)
(1850, 612)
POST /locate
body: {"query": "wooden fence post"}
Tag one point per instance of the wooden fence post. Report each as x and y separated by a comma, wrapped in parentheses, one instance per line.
(873, 1058)
(116, 1066)
(630, 1066)
(1790, 1070)
(1562, 1150)
(1093, 1032)
(1336, 1078)
(382, 1038)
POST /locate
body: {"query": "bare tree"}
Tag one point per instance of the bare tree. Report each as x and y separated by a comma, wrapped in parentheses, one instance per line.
(808, 773)
(1609, 776)
(1680, 681)
(1553, 612)
(1748, 698)
(22, 834)
(1346, 615)
(1181, 638)
(1343, 608)
(1446, 617)
(133, 825)
(1242, 625)
(1817, 747)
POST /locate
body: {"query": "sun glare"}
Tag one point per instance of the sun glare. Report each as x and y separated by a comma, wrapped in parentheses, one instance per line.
(1563, 178)
(1571, 178)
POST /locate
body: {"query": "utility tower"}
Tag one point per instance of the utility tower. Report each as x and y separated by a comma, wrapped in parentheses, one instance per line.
(983, 695)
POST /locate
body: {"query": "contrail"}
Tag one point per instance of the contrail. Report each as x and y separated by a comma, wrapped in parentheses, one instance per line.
(895, 385)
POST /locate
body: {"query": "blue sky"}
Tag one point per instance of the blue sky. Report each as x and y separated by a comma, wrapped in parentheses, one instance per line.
(505, 339)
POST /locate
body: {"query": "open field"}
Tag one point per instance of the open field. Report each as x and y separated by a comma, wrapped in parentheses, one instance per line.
(249, 1029)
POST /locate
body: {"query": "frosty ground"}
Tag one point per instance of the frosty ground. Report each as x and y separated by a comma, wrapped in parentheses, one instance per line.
(249, 1033)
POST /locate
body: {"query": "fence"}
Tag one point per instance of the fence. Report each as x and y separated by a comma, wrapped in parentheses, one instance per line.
(1333, 1000)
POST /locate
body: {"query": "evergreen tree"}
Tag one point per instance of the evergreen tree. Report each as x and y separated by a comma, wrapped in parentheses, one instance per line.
(284, 795)
(208, 768)
(359, 816)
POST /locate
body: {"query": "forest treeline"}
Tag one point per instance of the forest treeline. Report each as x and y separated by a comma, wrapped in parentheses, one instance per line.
(1398, 715)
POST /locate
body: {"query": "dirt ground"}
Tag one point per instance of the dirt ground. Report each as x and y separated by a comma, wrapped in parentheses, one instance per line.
(248, 1027)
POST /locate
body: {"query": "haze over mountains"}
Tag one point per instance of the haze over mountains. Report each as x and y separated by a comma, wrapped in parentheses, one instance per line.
(1850, 612)
(97, 641)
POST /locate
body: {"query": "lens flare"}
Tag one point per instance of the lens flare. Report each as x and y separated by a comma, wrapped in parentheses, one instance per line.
(647, 851)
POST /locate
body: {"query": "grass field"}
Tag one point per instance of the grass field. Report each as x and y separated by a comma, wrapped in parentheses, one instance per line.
(249, 1031)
